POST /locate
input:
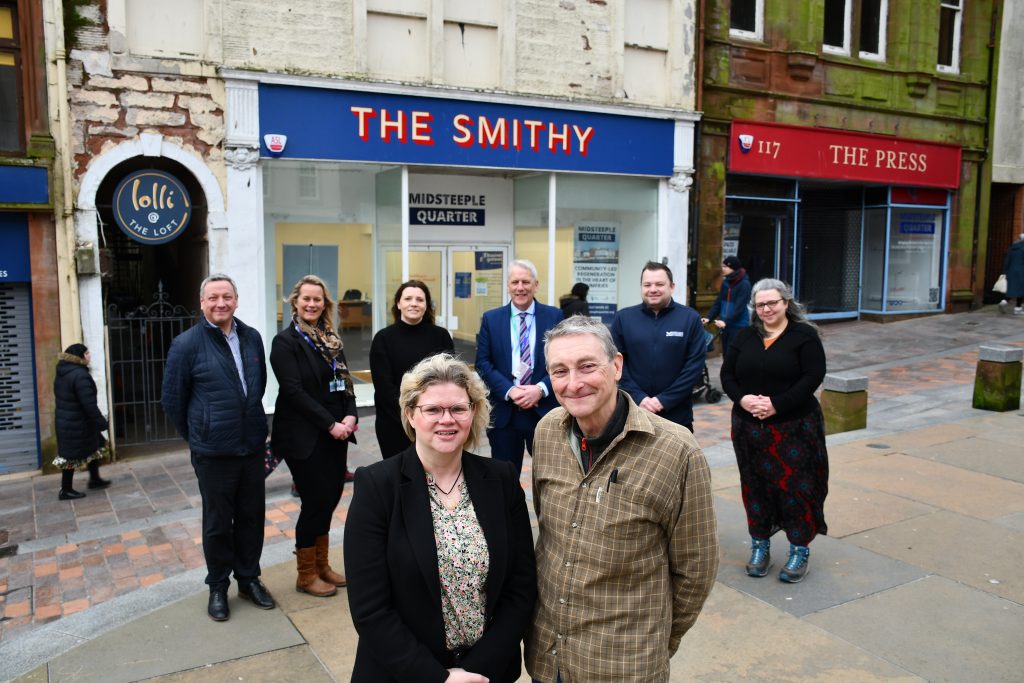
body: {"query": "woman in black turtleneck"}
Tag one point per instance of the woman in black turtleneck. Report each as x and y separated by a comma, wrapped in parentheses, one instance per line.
(397, 348)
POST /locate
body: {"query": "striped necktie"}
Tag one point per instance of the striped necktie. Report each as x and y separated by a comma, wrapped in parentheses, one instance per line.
(524, 350)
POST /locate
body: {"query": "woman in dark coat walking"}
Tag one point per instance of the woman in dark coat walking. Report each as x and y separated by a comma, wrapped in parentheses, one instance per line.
(1013, 268)
(79, 422)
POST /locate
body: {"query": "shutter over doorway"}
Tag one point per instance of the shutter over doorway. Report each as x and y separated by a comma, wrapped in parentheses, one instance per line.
(19, 441)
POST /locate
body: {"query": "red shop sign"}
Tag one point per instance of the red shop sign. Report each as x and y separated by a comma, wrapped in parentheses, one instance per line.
(777, 149)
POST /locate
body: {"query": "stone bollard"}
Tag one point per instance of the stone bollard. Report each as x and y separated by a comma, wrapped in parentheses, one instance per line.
(844, 402)
(997, 379)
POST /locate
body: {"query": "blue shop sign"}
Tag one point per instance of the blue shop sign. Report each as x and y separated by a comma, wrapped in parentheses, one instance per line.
(24, 185)
(321, 123)
(152, 207)
(15, 265)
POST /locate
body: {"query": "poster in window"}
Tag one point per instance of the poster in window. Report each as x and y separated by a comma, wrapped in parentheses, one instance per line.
(596, 264)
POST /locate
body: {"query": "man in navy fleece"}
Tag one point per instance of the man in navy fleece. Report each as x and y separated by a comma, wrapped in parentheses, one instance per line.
(662, 342)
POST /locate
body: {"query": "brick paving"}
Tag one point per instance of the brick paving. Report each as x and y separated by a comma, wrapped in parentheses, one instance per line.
(146, 526)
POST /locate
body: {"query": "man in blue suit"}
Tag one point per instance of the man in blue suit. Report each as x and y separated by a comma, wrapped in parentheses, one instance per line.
(510, 359)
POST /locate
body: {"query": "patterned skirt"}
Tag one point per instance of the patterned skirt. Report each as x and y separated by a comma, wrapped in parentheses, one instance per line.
(783, 475)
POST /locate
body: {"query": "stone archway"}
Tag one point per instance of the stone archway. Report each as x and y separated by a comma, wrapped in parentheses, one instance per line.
(90, 294)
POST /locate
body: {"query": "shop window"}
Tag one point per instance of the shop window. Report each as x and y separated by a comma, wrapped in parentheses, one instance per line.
(837, 27)
(746, 19)
(165, 28)
(950, 16)
(10, 99)
(874, 15)
(607, 230)
(915, 260)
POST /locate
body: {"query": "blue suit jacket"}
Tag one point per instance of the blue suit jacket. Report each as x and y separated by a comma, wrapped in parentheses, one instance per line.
(494, 359)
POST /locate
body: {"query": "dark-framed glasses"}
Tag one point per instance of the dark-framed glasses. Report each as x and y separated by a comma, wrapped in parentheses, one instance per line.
(459, 411)
(765, 305)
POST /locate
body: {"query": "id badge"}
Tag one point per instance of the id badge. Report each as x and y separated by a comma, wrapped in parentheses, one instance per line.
(522, 370)
(333, 386)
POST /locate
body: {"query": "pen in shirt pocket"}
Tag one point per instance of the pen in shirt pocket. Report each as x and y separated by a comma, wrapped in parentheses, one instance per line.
(613, 478)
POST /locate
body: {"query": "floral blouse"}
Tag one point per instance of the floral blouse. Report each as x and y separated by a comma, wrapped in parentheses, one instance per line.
(462, 563)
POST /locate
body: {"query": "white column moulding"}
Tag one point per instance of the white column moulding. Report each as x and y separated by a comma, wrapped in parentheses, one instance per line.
(552, 229)
(239, 250)
(405, 223)
(674, 207)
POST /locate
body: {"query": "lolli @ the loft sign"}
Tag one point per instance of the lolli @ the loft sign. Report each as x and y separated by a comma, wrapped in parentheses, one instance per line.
(152, 207)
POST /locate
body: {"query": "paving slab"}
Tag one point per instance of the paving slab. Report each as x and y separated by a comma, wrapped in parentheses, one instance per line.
(978, 454)
(1014, 521)
(933, 483)
(936, 628)
(850, 509)
(929, 436)
(739, 638)
(176, 638)
(328, 630)
(294, 664)
(839, 571)
(980, 554)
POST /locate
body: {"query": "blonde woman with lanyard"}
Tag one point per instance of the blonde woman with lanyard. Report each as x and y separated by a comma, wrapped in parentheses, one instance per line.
(314, 421)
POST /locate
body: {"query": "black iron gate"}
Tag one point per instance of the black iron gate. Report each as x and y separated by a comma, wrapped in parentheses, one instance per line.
(139, 341)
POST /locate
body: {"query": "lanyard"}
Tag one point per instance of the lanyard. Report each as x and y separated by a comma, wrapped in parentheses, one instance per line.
(334, 361)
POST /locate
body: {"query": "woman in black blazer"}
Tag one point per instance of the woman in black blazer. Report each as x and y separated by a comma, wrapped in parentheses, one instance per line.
(314, 419)
(438, 547)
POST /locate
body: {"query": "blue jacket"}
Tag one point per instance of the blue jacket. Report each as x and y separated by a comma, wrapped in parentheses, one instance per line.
(494, 359)
(1013, 267)
(202, 394)
(731, 305)
(664, 355)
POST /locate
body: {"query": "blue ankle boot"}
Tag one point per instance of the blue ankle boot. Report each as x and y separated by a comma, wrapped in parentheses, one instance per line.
(760, 557)
(796, 568)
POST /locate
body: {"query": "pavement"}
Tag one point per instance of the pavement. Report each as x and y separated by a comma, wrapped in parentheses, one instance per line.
(918, 580)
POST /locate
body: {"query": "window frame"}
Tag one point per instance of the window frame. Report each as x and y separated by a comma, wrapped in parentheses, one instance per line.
(13, 46)
(883, 30)
(758, 32)
(308, 172)
(843, 49)
(954, 66)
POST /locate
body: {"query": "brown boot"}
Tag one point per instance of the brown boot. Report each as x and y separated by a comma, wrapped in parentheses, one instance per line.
(323, 567)
(308, 581)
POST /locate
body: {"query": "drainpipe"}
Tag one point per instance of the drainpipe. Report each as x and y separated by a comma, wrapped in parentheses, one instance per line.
(981, 200)
(59, 115)
(694, 228)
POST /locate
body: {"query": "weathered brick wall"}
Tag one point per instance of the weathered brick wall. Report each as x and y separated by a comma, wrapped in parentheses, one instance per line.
(109, 106)
(302, 36)
(566, 47)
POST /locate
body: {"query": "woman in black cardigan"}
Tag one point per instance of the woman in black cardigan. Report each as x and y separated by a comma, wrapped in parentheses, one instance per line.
(394, 350)
(771, 372)
(438, 548)
(314, 420)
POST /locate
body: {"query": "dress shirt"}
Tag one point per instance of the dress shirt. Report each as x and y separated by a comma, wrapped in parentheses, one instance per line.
(622, 569)
(531, 320)
(236, 351)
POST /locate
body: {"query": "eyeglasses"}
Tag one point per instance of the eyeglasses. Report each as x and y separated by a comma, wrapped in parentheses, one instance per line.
(588, 368)
(764, 305)
(459, 411)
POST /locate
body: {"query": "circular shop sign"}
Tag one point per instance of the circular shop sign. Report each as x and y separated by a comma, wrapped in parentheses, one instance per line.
(152, 207)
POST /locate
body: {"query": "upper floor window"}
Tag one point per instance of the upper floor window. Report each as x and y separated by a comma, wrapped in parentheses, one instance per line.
(873, 21)
(837, 27)
(746, 19)
(950, 16)
(10, 90)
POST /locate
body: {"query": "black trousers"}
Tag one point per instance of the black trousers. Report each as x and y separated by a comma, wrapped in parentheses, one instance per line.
(234, 501)
(508, 442)
(320, 479)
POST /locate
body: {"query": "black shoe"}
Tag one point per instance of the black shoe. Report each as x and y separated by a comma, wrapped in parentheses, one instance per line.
(257, 593)
(218, 607)
(70, 494)
(99, 483)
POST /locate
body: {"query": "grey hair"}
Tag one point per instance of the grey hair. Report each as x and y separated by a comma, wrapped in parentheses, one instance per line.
(524, 264)
(217, 277)
(795, 311)
(444, 368)
(581, 324)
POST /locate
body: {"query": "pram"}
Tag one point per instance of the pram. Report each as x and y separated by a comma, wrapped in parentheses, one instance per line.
(704, 386)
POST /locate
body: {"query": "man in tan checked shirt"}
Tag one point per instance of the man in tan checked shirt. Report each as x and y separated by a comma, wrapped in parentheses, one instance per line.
(628, 546)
